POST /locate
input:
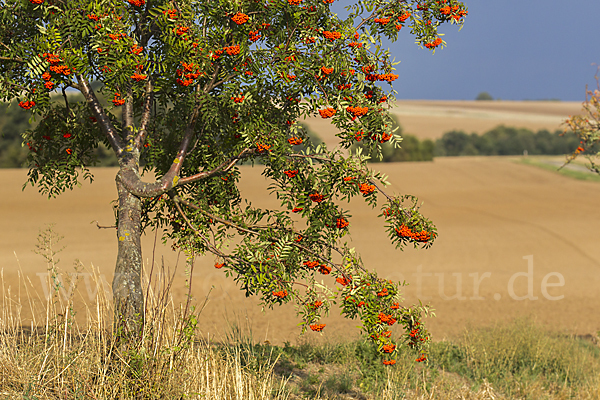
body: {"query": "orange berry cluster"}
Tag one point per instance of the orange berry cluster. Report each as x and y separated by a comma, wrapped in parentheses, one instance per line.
(389, 362)
(316, 327)
(181, 30)
(326, 70)
(343, 281)
(404, 17)
(324, 269)
(447, 10)
(53, 59)
(296, 210)
(381, 77)
(386, 319)
(327, 113)
(280, 294)
(232, 50)
(254, 36)
(238, 99)
(395, 306)
(389, 348)
(332, 35)
(357, 111)
(171, 14)
(137, 3)
(48, 84)
(60, 69)
(190, 76)
(219, 265)
(136, 50)
(26, 105)
(366, 189)
(294, 2)
(295, 141)
(263, 147)
(434, 44)
(384, 292)
(341, 223)
(291, 173)
(357, 45)
(240, 18)
(405, 231)
(382, 21)
(415, 332)
(388, 77)
(348, 178)
(117, 100)
(384, 137)
(367, 68)
(138, 77)
(328, 1)
(36, 1)
(316, 197)
(317, 304)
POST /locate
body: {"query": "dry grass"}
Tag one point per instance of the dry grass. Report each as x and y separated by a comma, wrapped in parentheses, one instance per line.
(53, 356)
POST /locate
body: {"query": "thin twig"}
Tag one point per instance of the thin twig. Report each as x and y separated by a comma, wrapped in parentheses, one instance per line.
(103, 227)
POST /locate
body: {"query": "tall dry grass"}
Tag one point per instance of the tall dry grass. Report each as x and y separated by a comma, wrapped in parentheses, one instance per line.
(47, 352)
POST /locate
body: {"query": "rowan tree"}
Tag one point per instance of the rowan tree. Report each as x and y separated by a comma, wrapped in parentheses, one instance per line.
(189, 90)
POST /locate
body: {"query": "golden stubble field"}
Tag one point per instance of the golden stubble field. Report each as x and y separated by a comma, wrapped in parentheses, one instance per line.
(514, 241)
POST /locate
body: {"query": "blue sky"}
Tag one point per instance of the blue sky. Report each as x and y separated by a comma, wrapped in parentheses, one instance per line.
(512, 49)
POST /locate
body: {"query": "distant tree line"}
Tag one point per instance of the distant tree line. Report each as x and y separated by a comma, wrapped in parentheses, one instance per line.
(506, 141)
(500, 141)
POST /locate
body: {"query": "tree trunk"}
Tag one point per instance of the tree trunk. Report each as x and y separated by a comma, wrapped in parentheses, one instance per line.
(128, 297)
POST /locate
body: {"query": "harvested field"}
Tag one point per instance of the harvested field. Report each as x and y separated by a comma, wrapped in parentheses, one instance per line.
(430, 119)
(496, 219)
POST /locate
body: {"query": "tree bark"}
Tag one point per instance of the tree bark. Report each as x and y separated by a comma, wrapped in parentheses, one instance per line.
(128, 296)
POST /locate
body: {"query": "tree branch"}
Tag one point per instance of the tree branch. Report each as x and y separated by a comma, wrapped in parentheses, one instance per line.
(12, 59)
(233, 225)
(313, 156)
(212, 248)
(128, 128)
(148, 101)
(223, 167)
(130, 176)
(98, 112)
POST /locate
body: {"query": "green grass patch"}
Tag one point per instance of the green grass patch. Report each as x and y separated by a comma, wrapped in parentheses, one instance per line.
(516, 360)
(570, 173)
